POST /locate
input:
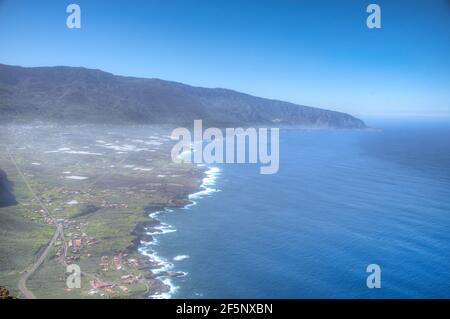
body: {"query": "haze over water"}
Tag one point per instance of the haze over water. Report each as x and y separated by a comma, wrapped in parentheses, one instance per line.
(342, 200)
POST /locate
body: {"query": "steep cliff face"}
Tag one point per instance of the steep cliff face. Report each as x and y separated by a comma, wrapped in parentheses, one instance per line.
(6, 191)
(67, 94)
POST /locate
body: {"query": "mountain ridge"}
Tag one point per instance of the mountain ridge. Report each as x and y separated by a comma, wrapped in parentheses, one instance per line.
(77, 94)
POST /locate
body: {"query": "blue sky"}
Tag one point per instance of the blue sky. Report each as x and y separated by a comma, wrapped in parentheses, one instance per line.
(317, 53)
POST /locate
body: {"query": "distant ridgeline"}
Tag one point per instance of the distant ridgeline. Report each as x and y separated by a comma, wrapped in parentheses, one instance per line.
(79, 95)
(6, 192)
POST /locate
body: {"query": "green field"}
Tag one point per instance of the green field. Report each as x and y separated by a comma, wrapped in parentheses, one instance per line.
(98, 192)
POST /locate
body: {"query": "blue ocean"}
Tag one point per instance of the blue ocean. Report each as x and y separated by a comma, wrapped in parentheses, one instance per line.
(341, 200)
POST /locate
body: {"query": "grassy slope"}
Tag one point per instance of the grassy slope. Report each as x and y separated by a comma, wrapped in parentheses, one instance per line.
(23, 233)
(21, 237)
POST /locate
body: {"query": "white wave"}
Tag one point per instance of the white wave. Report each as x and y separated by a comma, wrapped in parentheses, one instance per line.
(180, 257)
(192, 203)
(165, 210)
(161, 230)
(153, 215)
(166, 295)
(164, 265)
(202, 193)
(211, 176)
(210, 180)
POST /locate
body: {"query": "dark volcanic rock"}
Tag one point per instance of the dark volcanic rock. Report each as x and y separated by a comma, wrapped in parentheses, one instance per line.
(171, 274)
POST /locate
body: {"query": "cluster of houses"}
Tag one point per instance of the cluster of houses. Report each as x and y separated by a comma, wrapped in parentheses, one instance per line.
(75, 240)
(45, 217)
(104, 263)
(118, 262)
(130, 279)
(72, 246)
(104, 287)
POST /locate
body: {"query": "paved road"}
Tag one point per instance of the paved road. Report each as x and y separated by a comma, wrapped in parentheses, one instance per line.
(58, 232)
(27, 274)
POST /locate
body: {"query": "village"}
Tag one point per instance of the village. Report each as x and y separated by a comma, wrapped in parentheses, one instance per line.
(96, 206)
(115, 274)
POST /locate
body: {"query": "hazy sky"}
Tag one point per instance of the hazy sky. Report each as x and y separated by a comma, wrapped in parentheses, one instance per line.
(317, 53)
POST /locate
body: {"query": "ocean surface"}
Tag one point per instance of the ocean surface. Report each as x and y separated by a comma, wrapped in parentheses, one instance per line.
(341, 200)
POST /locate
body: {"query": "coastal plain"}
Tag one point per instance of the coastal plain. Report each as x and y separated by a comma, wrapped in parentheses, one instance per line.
(82, 194)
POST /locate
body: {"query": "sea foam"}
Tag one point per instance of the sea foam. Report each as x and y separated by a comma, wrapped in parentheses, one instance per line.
(206, 187)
